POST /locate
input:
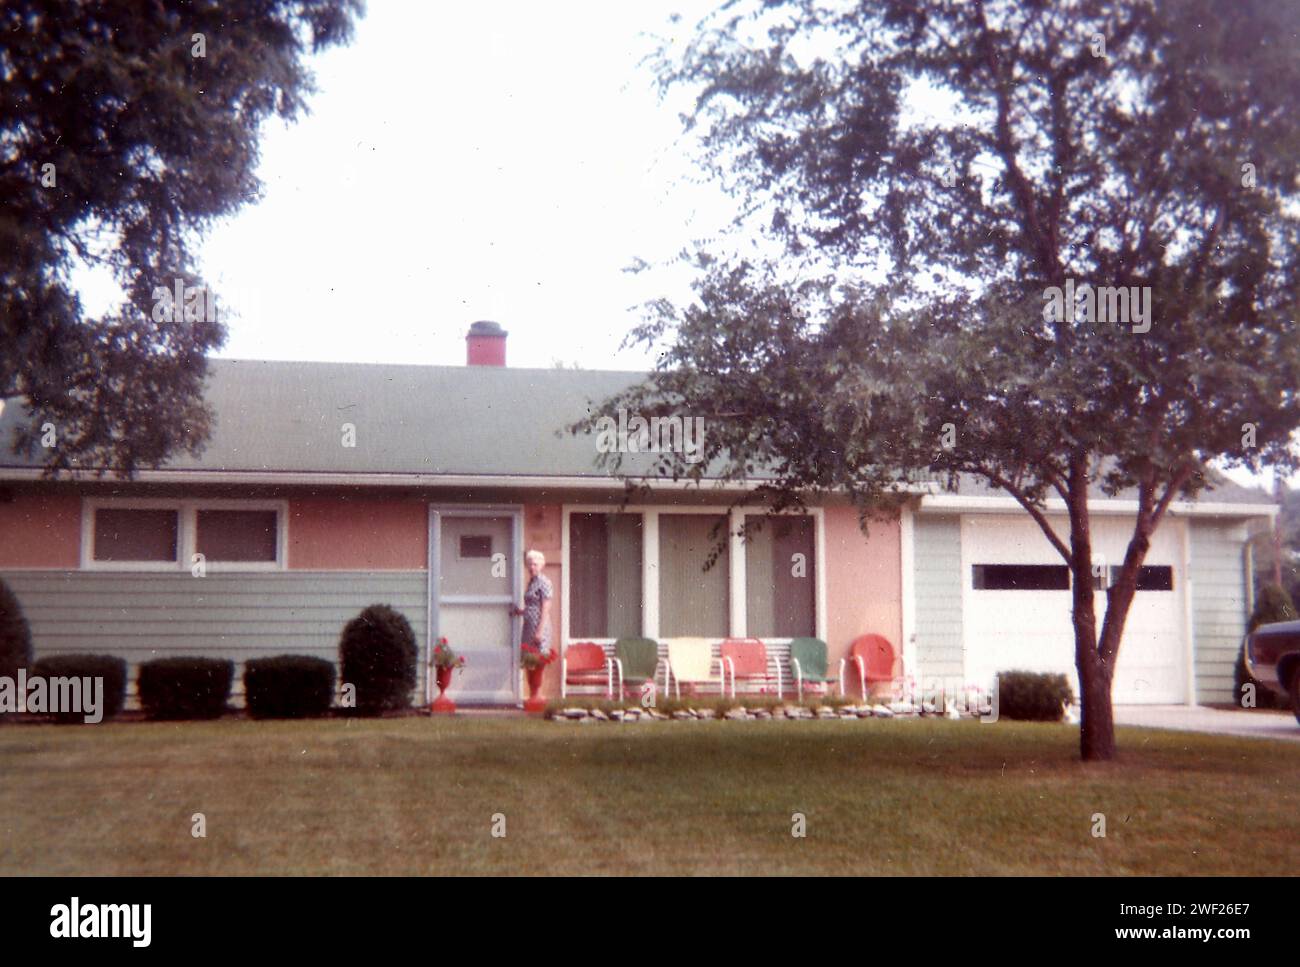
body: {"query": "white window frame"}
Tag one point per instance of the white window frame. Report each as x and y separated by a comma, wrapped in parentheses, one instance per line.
(650, 514)
(186, 535)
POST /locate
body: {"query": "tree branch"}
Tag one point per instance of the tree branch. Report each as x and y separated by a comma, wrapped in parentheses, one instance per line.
(1171, 490)
(1006, 149)
(1033, 509)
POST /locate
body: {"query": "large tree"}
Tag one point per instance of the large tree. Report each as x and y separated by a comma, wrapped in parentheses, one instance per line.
(127, 127)
(928, 187)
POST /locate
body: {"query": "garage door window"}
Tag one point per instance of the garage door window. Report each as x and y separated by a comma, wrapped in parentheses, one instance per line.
(1021, 577)
(1151, 577)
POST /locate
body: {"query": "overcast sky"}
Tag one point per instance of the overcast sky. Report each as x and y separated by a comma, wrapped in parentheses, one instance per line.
(493, 160)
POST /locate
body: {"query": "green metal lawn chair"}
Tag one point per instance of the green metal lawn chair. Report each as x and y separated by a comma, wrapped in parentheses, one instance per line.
(636, 660)
(808, 662)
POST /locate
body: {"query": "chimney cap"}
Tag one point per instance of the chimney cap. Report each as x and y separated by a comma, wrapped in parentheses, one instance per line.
(485, 327)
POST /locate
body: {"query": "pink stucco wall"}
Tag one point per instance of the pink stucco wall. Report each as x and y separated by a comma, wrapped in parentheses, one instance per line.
(40, 532)
(366, 534)
(864, 580)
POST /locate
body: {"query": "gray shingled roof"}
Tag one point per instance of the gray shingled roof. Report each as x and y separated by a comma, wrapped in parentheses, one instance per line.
(481, 420)
(288, 416)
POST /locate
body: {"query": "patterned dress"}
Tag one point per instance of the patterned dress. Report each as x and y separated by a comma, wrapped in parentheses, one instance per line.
(539, 590)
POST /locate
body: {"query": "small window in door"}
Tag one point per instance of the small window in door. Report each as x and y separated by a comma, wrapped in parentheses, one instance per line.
(475, 547)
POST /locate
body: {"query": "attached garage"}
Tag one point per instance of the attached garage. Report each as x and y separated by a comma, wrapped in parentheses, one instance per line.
(985, 592)
(1018, 604)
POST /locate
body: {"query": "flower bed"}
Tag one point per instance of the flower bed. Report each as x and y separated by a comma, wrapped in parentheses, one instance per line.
(748, 708)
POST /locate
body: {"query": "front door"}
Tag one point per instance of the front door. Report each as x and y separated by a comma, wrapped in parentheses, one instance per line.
(474, 571)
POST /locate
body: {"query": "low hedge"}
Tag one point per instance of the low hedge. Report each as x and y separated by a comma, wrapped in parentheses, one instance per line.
(185, 688)
(288, 686)
(1033, 696)
(15, 635)
(111, 670)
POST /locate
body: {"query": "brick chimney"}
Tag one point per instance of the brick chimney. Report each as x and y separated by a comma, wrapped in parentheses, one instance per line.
(485, 345)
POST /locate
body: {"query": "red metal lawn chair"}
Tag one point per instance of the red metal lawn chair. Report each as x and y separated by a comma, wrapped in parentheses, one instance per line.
(875, 660)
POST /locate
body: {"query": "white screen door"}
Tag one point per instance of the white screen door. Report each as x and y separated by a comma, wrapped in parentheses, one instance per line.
(474, 570)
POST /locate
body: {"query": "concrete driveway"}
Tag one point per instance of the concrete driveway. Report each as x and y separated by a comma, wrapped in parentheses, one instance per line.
(1194, 718)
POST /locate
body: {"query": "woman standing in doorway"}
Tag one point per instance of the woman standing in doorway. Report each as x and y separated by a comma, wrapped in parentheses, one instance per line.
(537, 605)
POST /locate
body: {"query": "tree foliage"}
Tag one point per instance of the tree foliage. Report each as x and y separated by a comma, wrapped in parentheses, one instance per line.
(123, 137)
(1277, 555)
(916, 178)
(1273, 603)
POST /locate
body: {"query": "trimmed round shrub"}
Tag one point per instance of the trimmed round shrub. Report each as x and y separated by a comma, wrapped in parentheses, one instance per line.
(1273, 604)
(377, 655)
(288, 687)
(185, 688)
(1033, 696)
(15, 635)
(111, 670)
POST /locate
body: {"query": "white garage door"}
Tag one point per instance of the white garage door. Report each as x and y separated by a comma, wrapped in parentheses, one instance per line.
(1017, 605)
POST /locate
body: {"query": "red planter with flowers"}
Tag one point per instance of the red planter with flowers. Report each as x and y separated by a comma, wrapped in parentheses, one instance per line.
(534, 665)
(535, 684)
(445, 661)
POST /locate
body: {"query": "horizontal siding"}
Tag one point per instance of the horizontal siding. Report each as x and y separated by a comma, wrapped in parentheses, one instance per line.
(937, 582)
(139, 617)
(1218, 576)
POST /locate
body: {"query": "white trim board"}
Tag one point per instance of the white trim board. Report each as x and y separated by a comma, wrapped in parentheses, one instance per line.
(951, 503)
(930, 500)
(907, 590)
(318, 478)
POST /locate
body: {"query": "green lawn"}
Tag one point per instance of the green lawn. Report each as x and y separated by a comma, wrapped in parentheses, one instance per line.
(416, 796)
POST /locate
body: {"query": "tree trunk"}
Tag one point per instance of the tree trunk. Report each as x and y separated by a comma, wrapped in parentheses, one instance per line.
(1097, 723)
(1119, 600)
(1097, 718)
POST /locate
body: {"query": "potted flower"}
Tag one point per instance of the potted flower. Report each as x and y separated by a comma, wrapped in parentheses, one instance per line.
(444, 662)
(533, 661)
